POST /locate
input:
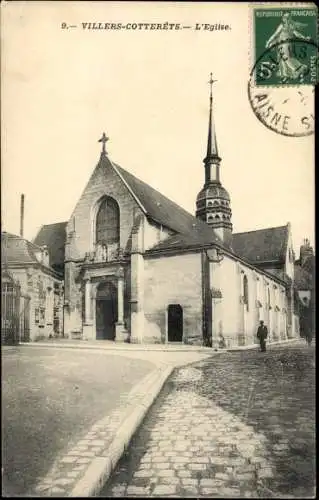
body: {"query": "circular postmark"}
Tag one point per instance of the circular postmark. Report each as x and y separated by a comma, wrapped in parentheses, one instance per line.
(281, 87)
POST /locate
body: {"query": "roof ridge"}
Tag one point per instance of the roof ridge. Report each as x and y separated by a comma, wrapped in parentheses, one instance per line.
(21, 238)
(54, 224)
(116, 167)
(157, 191)
(262, 229)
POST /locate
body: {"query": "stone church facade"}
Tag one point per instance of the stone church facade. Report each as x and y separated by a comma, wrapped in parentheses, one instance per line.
(139, 268)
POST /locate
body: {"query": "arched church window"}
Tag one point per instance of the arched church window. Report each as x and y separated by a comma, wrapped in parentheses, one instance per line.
(216, 202)
(245, 287)
(217, 217)
(209, 203)
(108, 222)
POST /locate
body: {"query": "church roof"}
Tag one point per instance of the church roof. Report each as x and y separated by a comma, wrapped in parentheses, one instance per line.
(194, 238)
(262, 245)
(18, 250)
(167, 212)
(54, 237)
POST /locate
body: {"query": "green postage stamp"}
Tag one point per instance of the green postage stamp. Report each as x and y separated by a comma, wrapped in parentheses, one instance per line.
(285, 45)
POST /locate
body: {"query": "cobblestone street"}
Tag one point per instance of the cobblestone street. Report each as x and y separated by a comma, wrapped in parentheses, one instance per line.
(238, 424)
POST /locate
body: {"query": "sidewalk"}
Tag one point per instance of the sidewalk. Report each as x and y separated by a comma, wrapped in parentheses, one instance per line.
(171, 347)
(86, 464)
(114, 346)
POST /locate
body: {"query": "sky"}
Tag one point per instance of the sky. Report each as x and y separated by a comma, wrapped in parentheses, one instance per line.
(148, 91)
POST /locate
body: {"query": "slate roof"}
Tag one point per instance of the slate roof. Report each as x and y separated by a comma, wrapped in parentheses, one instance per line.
(17, 250)
(54, 237)
(262, 245)
(161, 209)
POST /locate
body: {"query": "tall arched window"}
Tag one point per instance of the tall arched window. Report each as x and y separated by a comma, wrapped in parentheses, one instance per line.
(245, 286)
(107, 228)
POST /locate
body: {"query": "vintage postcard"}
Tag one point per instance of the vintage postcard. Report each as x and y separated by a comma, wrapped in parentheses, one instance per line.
(158, 249)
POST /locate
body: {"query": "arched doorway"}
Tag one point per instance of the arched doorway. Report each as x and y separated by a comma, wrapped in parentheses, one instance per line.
(175, 323)
(106, 311)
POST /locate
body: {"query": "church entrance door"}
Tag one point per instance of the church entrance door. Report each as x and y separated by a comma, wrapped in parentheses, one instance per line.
(106, 311)
(175, 323)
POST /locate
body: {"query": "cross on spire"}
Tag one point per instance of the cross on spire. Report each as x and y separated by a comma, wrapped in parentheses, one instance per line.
(211, 81)
(212, 157)
(104, 140)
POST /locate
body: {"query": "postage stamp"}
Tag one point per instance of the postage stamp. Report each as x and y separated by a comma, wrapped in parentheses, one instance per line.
(284, 67)
(282, 30)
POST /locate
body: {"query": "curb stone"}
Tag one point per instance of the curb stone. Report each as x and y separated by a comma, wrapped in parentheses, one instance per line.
(101, 467)
(83, 473)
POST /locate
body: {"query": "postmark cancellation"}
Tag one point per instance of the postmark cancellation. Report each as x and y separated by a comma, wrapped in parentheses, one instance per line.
(284, 66)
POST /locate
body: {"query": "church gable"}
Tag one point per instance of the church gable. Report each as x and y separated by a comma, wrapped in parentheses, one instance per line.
(105, 183)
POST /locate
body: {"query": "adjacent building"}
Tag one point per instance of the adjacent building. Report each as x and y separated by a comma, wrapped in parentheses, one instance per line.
(32, 291)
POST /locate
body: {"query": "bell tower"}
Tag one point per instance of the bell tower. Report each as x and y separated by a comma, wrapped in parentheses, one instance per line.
(213, 201)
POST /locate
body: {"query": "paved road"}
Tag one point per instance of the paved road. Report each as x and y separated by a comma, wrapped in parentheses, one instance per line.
(239, 424)
(51, 397)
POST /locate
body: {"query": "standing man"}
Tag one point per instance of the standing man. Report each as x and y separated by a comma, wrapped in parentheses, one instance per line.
(262, 334)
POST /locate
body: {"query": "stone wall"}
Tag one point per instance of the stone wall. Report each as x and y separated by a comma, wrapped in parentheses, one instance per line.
(173, 280)
(104, 181)
(231, 316)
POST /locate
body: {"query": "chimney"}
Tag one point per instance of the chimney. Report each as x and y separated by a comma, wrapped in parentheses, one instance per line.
(22, 215)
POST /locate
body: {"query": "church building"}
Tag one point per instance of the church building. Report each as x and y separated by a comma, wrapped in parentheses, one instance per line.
(139, 268)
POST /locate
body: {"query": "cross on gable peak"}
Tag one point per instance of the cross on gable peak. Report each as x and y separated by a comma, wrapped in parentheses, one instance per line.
(104, 140)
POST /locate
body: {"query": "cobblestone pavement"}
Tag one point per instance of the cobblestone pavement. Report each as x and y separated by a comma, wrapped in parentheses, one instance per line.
(239, 424)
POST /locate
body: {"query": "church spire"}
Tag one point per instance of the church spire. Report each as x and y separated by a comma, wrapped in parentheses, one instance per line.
(213, 201)
(212, 157)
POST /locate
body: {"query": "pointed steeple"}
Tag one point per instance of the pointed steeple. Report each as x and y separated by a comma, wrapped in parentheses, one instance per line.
(212, 157)
(213, 200)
